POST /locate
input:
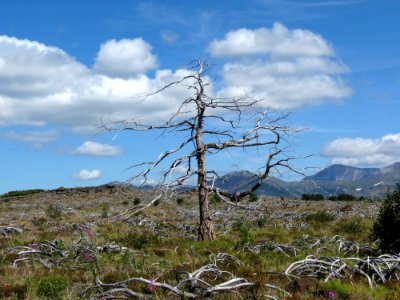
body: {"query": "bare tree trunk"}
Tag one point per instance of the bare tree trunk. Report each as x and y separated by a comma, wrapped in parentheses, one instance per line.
(206, 226)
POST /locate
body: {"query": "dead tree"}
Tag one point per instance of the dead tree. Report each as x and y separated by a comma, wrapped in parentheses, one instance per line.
(213, 124)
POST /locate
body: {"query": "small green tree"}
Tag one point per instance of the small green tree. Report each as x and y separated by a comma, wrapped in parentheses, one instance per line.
(386, 227)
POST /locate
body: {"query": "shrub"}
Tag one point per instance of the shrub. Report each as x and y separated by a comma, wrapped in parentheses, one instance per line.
(39, 221)
(13, 291)
(180, 201)
(386, 227)
(138, 240)
(21, 193)
(136, 201)
(335, 289)
(54, 211)
(105, 207)
(215, 199)
(352, 225)
(320, 216)
(262, 221)
(246, 236)
(346, 197)
(253, 197)
(313, 197)
(51, 287)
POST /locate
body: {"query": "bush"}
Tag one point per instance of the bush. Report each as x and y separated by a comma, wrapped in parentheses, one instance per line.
(386, 227)
(21, 193)
(105, 208)
(313, 197)
(352, 225)
(246, 236)
(51, 287)
(320, 216)
(136, 201)
(215, 199)
(13, 291)
(54, 211)
(346, 197)
(253, 197)
(180, 201)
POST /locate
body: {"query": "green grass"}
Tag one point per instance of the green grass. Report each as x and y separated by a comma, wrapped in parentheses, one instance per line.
(162, 248)
(21, 193)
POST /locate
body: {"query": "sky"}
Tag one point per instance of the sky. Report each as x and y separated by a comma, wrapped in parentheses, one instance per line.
(66, 67)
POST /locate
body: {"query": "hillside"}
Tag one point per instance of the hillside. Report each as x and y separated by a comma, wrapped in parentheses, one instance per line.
(333, 180)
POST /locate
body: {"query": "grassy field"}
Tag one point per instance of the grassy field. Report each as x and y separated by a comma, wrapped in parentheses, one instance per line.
(74, 243)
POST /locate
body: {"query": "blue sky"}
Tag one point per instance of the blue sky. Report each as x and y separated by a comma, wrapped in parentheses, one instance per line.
(334, 64)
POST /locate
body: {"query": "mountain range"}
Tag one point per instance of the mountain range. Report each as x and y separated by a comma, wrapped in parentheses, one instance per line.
(372, 183)
(333, 180)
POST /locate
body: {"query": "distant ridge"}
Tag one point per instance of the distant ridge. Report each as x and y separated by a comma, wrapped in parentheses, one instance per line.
(333, 180)
(347, 173)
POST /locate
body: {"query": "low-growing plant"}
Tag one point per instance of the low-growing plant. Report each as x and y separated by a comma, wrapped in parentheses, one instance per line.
(39, 221)
(262, 221)
(253, 197)
(215, 199)
(51, 287)
(13, 291)
(180, 200)
(137, 201)
(138, 240)
(246, 236)
(21, 193)
(54, 211)
(105, 208)
(335, 289)
(312, 197)
(352, 225)
(320, 216)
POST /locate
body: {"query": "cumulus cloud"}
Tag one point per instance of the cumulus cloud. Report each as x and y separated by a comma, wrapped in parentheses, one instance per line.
(363, 151)
(277, 41)
(286, 68)
(125, 58)
(87, 175)
(42, 85)
(96, 149)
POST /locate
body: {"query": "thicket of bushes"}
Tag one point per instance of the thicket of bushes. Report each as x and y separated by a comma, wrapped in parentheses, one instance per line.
(387, 225)
(340, 197)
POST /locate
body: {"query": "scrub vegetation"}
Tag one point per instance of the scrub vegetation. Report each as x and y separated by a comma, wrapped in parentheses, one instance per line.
(78, 243)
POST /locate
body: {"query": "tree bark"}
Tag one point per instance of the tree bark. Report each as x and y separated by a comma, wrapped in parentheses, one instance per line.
(206, 227)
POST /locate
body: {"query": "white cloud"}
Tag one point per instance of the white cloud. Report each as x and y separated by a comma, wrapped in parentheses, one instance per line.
(97, 149)
(363, 151)
(87, 175)
(277, 41)
(41, 85)
(31, 137)
(286, 68)
(125, 58)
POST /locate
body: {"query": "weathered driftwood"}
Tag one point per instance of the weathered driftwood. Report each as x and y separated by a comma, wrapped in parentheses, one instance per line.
(198, 284)
(375, 269)
(6, 230)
